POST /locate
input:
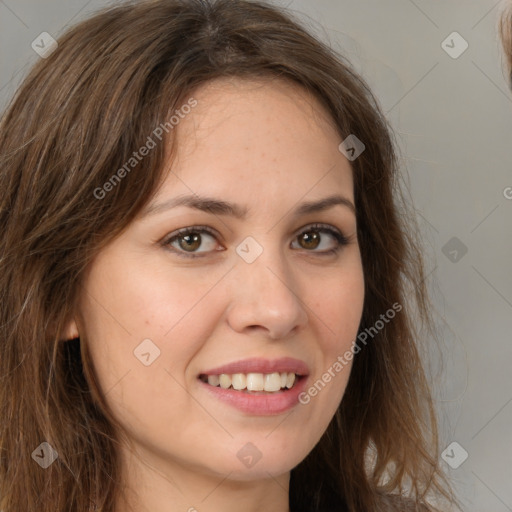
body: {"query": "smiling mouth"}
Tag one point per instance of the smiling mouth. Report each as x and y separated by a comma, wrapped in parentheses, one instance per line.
(253, 383)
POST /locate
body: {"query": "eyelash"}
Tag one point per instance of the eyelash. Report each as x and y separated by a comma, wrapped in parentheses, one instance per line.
(337, 235)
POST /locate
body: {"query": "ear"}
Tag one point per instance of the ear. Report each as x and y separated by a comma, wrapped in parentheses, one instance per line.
(70, 331)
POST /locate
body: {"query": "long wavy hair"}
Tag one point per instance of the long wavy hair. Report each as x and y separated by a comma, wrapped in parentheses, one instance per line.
(79, 114)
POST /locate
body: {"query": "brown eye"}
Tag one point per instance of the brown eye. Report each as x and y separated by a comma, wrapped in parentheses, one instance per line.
(187, 241)
(310, 239)
(314, 237)
(191, 242)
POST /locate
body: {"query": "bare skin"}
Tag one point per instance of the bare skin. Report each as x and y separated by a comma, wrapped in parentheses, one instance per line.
(267, 146)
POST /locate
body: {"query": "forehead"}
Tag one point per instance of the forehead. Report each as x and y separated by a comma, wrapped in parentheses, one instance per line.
(263, 106)
(265, 136)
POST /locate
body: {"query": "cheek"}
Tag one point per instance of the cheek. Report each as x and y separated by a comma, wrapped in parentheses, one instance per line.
(124, 310)
(141, 337)
(338, 306)
(155, 317)
(160, 301)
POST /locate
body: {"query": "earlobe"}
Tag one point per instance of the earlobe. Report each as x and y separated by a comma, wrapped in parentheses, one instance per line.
(71, 331)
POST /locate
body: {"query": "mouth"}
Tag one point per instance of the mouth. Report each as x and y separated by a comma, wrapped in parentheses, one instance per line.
(258, 387)
(253, 383)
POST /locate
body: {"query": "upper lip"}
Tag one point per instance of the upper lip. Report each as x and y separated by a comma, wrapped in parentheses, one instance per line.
(258, 365)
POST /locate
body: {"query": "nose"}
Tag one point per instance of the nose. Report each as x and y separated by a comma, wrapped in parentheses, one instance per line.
(265, 298)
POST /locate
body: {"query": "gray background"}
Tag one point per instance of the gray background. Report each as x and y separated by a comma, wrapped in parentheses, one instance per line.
(453, 119)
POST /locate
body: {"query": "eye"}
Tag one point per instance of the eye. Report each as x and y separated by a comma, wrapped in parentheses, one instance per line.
(186, 241)
(312, 239)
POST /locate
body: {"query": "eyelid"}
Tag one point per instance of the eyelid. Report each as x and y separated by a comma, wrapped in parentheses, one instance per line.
(336, 233)
(166, 242)
(341, 239)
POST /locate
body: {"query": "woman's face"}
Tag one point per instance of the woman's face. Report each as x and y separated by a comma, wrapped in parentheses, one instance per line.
(157, 318)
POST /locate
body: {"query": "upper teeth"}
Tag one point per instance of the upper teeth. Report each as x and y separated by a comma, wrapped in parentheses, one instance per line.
(253, 381)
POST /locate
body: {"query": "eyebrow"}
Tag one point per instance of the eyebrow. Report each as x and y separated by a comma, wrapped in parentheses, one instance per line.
(219, 207)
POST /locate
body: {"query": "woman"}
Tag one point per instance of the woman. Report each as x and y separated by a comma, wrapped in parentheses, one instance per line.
(205, 266)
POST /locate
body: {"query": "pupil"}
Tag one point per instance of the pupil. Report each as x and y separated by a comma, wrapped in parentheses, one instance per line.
(311, 240)
(191, 239)
(308, 239)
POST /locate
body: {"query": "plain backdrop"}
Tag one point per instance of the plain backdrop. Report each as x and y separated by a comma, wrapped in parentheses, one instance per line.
(452, 113)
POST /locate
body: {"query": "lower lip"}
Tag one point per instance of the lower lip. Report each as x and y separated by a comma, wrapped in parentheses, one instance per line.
(262, 405)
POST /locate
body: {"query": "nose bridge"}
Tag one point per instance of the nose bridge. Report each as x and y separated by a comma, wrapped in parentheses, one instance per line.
(265, 294)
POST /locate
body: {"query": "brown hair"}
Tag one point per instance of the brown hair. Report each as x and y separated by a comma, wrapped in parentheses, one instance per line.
(505, 30)
(78, 116)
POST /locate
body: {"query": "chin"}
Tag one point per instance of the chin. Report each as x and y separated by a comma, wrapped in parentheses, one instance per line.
(269, 460)
(259, 471)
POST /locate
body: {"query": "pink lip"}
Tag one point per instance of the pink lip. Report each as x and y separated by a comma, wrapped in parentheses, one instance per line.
(260, 404)
(258, 365)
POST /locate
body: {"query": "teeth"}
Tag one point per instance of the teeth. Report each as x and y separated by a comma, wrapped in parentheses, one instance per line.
(213, 380)
(273, 381)
(225, 381)
(270, 382)
(239, 381)
(255, 382)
